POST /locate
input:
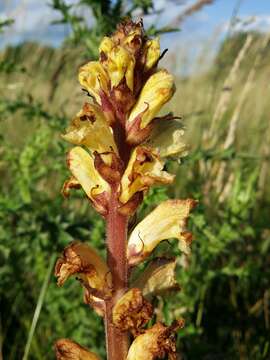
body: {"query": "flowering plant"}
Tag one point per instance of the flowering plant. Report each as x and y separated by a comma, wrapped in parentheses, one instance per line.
(120, 152)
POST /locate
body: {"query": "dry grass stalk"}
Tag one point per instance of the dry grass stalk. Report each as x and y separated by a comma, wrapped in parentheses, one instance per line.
(198, 5)
(230, 138)
(227, 87)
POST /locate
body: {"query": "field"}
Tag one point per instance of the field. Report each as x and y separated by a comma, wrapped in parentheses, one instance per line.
(224, 295)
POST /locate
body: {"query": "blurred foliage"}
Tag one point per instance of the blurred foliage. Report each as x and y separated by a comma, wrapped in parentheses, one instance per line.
(225, 283)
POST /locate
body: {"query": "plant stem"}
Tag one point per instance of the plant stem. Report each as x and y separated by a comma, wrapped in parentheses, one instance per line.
(116, 341)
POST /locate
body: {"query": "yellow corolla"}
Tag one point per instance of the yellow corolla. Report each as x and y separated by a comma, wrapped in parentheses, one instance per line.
(119, 64)
(152, 48)
(90, 128)
(168, 220)
(157, 278)
(94, 79)
(167, 138)
(81, 165)
(155, 343)
(83, 261)
(158, 90)
(144, 169)
(66, 349)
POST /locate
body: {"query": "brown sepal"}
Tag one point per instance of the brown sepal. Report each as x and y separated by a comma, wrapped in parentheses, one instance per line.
(111, 173)
(130, 207)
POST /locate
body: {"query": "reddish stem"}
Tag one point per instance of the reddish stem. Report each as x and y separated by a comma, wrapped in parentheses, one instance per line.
(117, 342)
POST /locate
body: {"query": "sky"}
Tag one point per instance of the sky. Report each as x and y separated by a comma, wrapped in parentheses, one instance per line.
(33, 21)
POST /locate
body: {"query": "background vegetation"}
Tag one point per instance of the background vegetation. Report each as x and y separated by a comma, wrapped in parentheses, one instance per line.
(225, 283)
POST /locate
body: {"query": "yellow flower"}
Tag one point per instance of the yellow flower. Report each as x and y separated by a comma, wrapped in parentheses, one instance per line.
(168, 220)
(158, 90)
(83, 261)
(132, 311)
(152, 48)
(81, 165)
(157, 278)
(167, 138)
(94, 78)
(90, 128)
(119, 64)
(66, 349)
(155, 343)
(144, 169)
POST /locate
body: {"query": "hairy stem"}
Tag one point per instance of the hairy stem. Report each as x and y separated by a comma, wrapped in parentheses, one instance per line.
(116, 341)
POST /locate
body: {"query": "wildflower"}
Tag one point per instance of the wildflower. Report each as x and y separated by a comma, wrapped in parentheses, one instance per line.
(168, 220)
(121, 145)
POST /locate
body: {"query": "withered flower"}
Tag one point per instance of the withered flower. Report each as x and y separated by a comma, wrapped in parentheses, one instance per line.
(132, 311)
(158, 277)
(66, 349)
(155, 343)
(168, 220)
(83, 261)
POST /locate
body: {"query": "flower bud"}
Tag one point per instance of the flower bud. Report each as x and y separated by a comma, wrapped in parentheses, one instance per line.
(155, 343)
(152, 49)
(168, 220)
(66, 349)
(132, 311)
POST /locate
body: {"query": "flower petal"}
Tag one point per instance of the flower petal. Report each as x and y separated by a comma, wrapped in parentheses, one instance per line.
(157, 278)
(81, 165)
(91, 129)
(132, 311)
(94, 78)
(167, 138)
(155, 343)
(158, 90)
(144, 169)
(83, 261)
(66, 349)
(152, 48)
(167, 220)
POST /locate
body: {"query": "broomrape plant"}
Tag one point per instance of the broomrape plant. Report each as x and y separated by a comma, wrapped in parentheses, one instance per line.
(120, 152)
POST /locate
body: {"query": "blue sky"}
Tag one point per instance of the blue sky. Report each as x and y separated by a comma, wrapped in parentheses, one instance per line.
(33, 17)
